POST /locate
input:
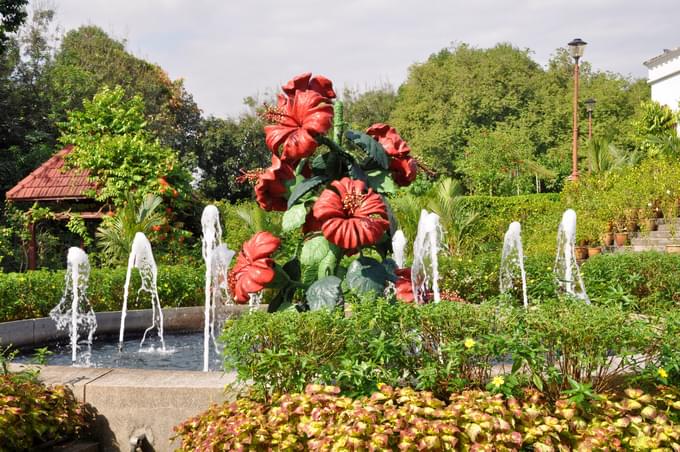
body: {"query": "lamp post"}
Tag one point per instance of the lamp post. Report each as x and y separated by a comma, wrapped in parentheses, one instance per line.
(576, 48)
(590, 104)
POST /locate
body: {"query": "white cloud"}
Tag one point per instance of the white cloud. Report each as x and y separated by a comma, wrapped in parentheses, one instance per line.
(227, 50)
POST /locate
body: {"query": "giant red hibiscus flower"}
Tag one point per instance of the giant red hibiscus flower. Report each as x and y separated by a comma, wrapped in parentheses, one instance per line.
(270, 189)
(298, 120)
(351, 215)
(254, 267)
(304, 82)
(403, 285)
(403, 167)
(404, 170)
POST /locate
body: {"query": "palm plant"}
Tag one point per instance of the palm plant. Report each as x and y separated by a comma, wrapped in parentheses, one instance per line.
(116, 233)
(456, 218)
(605, 156)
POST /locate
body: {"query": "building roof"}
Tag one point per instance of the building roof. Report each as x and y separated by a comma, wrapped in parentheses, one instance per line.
(49, 182)
(668, 54)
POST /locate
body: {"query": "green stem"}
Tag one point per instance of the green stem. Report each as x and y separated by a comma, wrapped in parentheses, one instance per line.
(338, 123)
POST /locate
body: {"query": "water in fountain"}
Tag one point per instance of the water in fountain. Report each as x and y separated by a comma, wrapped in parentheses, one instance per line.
(141, 258)
(74, 310)
(512, 260)
(425, 249)
(217, 258)
(398, 246)
(566, 268)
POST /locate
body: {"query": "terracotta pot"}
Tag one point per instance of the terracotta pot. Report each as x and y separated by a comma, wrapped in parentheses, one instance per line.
(632, 226)
(581, 252)
(594, 251)
(621, 238)
(650, 224)
(673, 249)
(608, 238)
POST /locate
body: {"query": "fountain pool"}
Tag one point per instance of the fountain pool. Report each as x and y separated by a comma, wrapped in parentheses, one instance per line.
(183, 351)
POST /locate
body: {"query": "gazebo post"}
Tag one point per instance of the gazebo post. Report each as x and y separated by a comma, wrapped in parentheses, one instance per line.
(32, 258)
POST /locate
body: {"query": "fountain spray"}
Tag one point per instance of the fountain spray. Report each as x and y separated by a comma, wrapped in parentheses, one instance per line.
(513, 259)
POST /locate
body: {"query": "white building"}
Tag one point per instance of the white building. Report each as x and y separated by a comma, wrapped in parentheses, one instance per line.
(664, 77)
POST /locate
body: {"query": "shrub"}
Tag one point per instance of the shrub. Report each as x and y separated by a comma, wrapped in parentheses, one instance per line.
(404, 419)
(539, 214)
(637, 281)
(32, 414)
(33, 294)
(449, 346)
(597, 345)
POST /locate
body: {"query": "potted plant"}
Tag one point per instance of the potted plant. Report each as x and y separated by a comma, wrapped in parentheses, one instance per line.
(608, 234)
(621, 234)
(648, 217)
(581, 250)
(631, 215)
(594, 249)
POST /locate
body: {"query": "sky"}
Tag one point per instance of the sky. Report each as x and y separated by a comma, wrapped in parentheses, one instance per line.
(226, 50)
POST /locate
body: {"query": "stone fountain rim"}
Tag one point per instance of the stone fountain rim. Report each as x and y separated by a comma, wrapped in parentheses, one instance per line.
(42, 330)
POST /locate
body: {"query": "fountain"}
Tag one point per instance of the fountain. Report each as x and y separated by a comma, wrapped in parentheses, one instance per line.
(77, 314)
(425, 249)
(398, 246)
(141, 258)
(513, 259)
(566, 268)
(217, 258)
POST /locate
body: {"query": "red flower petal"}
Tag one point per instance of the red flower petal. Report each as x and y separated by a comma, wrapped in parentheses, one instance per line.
(270, 189)
(404, 170)
(403, 285)
(388, 137)
(351, 216)
(305, 81)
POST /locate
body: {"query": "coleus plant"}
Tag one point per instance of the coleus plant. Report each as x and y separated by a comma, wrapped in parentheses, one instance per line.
(333, 188)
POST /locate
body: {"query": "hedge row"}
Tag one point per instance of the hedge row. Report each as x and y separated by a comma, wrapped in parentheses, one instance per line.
(636, 281)
(539, 215)
(34, 294)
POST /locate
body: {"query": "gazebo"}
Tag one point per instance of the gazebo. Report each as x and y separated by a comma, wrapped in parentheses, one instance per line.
(62, 189)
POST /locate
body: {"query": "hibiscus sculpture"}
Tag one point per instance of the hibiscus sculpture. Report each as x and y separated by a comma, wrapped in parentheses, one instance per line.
(334, 190)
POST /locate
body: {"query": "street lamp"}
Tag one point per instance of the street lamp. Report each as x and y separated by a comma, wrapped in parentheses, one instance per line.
(590, 105)
(576, 48)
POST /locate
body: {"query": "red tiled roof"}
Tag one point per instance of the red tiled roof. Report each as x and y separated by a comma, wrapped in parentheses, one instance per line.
(50, 183)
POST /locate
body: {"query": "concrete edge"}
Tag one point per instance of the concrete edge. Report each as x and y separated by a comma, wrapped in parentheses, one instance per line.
(30, 332)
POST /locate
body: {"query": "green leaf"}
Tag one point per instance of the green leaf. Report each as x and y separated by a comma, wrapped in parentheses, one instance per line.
(381, 181)
(372, 148)
(294, 217)
(327, 265)
(367, 275)
(325, 294)
(314, 250)
(328, 165)
(302, 187)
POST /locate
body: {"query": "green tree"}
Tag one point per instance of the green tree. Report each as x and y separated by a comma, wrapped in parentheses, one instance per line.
(111, 140)
(230, 147)
(654, 129)
(12, 15)
(373, 106)
(89, 59)
(27, 136)
(457, 91)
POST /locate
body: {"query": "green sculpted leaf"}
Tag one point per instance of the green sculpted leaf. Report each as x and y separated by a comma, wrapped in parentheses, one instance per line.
(294, 217)
(325, 294)
(372, 148)
(302, 187)
(367, 275)
(381, 181)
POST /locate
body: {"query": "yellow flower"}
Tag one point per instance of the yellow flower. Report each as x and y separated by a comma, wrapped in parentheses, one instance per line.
(498, 381)
(662, 373)
(469, 342)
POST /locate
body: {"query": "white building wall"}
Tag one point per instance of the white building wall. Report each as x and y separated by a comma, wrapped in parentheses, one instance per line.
(664, 79)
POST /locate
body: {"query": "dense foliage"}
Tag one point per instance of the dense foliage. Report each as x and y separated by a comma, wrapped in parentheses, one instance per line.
(33, 294)
(463, 103)
(405, 419)
(450, 346)
(636, 281)
(33, 415)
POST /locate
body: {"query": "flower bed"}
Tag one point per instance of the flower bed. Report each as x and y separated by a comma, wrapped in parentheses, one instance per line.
(405, 419)
(32, 414)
